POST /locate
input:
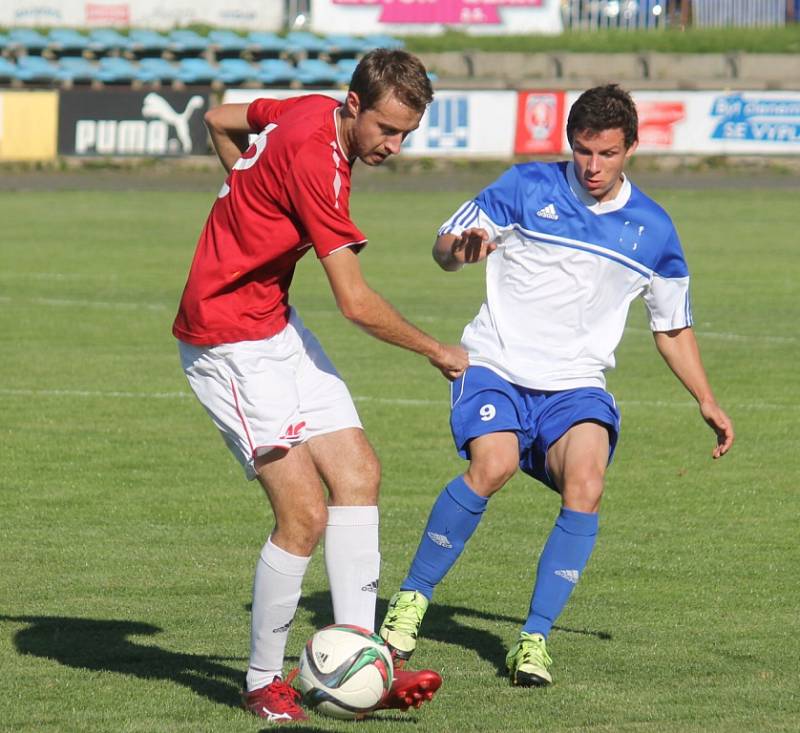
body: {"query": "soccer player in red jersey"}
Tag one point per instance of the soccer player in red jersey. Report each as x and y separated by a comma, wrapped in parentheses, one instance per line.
(264, 379)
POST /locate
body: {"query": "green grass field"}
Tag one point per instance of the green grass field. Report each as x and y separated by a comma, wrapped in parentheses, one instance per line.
(128, 535)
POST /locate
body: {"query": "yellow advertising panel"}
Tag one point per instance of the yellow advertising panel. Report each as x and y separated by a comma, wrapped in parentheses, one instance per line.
(28, 125)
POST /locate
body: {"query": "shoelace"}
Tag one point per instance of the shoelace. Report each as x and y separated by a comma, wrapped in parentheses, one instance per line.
(284, 690)
(396, 620)
(532, 652)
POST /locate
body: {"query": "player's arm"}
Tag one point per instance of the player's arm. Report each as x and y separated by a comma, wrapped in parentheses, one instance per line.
(453, 251)
(229, 130)
(680, 350)
(360, 304)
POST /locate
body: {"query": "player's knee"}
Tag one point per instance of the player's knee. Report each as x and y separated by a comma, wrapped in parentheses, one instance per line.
(305, 526)
(491, 473)
(583, 493)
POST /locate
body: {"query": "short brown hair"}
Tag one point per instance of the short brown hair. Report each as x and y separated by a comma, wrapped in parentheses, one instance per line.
(604, 108)
(383, 71)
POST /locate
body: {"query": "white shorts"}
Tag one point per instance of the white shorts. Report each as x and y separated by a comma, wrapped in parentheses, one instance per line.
(268, 394)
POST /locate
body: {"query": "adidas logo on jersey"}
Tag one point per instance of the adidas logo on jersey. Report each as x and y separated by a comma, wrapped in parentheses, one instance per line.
(548, 212)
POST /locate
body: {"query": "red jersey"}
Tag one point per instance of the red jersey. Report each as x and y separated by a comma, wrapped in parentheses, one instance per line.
(289, 191)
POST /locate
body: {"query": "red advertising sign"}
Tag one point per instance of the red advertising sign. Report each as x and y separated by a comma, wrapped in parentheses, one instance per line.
(657, 122)
(108, 14)
(540, 123)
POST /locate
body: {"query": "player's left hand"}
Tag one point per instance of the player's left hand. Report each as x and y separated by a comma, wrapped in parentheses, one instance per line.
(721, 424)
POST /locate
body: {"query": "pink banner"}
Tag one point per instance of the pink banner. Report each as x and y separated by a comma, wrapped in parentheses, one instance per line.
(476, 12)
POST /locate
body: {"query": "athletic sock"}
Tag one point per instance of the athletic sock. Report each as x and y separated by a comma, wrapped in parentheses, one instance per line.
(276, 593)
(453, 518)
(561, 563)
(353, 563)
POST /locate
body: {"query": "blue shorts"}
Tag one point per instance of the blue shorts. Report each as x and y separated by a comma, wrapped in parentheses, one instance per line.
(482, 402)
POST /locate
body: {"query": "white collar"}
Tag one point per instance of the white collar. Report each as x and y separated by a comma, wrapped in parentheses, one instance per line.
(591, 203)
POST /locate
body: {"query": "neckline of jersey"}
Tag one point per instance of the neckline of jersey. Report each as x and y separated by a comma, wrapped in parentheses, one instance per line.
(591, 203)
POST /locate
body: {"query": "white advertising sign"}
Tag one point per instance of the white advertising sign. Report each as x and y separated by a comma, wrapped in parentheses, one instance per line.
(157, 14)
(431, 17)
(716, 123)
(469, 124)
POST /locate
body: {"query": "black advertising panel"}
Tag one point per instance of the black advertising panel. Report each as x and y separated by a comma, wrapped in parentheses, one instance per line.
(127, 123)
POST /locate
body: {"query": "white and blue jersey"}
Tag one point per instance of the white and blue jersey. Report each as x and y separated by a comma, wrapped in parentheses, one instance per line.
(565, 271)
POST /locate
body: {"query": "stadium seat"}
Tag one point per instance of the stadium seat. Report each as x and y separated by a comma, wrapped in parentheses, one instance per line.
(185, 43)
(143, 43)
(305, 45)
(275, 72)
(151, 70)
(236, 71)
(36, 69)
(345, 69)
(379, 40)
(339, 46)
(315, 72)
(8, 70)
(227, 44)
(196, 71)
(266, 45)
(27, 40)
(76, 70)
(67, 42)
(3, 43)
(104, 41)
(115, 70)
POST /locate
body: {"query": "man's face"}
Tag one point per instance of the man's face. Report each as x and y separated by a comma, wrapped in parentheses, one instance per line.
(379, 132)
(599, 160)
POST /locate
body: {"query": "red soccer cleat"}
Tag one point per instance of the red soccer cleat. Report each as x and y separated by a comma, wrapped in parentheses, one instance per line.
(411, 689)
(277, 702)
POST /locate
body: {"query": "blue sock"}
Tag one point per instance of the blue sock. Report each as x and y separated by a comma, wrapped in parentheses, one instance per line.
(563, 559)
(453, 519)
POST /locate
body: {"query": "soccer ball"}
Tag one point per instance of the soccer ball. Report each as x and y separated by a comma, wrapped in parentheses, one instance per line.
(344, 671)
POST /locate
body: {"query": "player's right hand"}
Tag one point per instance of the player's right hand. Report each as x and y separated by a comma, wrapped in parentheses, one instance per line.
(450, 361)
(473, 246)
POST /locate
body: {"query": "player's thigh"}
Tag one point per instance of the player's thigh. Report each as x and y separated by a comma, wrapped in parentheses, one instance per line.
(494, 459)
(297, 496)
(577, 464)
(348, 465)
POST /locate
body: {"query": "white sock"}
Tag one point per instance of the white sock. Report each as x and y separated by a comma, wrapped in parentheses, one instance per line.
(353, 562)
(276, 592)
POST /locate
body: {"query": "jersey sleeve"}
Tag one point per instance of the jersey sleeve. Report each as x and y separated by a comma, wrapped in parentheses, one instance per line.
(262, 111)
(493, 209)
(320, 194)
(667, 295)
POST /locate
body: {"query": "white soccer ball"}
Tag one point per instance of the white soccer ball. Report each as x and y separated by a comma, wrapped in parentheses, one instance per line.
(345, 671)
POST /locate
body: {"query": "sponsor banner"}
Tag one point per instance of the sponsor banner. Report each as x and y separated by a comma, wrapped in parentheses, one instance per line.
(496, 17)
(469, 124)
(28, 123)
(123, 123)
(716, 123)
(243, 14)
(540, 123)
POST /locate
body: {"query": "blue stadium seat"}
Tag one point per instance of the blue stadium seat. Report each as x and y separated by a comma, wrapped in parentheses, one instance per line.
(315, 72)
(8, 70)
(305, 45)
(266, 45)
(345, 69)
(67, 42)
(36, 69)
(185, 43)
(227, 44)
(103, 41)
(3, 42)
(276, 72)
(196, 71)
(339, 45)
(379, 40)
(236, 71)
(76, 70)
(27, 39)
(115, 70)
(160, 70)
(146, 43)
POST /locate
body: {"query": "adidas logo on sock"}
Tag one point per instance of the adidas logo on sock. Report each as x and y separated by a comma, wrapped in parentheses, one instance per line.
(570, 575)
(440, 539)
(548, 212)
(371, 587)
(282, 629)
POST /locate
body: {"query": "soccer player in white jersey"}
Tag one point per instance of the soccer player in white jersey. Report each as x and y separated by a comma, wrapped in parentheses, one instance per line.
(264, 379)
(568, 246)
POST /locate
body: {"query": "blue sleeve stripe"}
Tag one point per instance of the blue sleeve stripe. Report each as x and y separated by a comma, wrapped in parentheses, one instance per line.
(470, 213)
(452, 222)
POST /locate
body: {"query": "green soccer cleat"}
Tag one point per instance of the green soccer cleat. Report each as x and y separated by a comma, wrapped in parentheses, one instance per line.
(528, 661)
(401, 625)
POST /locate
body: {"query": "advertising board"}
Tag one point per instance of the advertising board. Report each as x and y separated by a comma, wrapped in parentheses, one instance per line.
(28, 122)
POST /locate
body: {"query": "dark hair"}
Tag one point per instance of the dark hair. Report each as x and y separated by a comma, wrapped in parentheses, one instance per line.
(604, 108)
(383, 71)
